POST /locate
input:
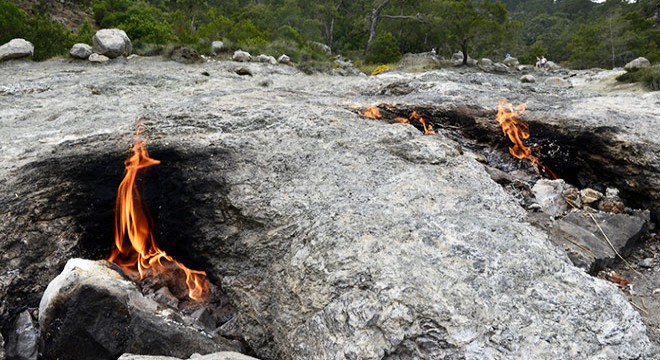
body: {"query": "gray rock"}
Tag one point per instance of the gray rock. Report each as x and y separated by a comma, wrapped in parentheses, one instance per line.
(23, 340)
(92, 305)
(647, 263)
(284, 59)
(486, 62)
(501, 68)
(551, 65)
(556, 81)
(97, 58)
(186, 55)
(243, 71)
(80, 51)
(590, 196)
(242, 56)
(527, 78)
(2, 347)
(584, 242)
(267, 59)
(223, 355)
(549, 195)
(457, 56)
(640, 62)
(132, 56)
(511, 62)
(218, 47)
(16, 49)
(112, 43)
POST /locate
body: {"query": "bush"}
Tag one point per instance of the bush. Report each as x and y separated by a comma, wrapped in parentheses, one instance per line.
(649, 76)
(12, 21)
(384, 49)
(142, 22)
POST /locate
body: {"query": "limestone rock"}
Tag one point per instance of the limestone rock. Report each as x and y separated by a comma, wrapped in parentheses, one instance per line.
(486, 62)
(16, 49)
(556, 81)
(112, 43)
(92, 305)
(243, 71)
(242, 56)
(223, 355)
(23, 341)
(551, 65)
(80, 51)
(640, 62)
(284, 59)
(186, 55)
(97, 58)
(218, 47)
(267, 59)
(527, 78)
(501, 68)
(549, 195)
(511, 62)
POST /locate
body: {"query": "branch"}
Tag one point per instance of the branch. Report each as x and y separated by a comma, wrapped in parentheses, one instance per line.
(418, 17)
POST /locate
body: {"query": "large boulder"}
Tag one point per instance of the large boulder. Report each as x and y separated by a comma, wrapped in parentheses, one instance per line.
(511, 62)
(98, 58)
(284, 59)
(92, 305)
(81, 51)
(267, 59)
(640, 62)
(241, 56)
(112, 43)
(16, 49)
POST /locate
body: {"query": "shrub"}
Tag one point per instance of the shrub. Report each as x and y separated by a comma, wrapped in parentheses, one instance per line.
(384, 49)
(12, 21)
(649, 76)
(48, 37)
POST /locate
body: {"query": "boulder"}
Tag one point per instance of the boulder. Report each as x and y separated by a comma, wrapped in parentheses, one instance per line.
(640, 62)
(186, 55)
(501, 68)
(242, 56)
(81, 51)
(551, 65)
(511, 62)
(267, 59)
(218, 47)
(23, 339)
(556, 81)
(94, 306)
(527, 78)
(97, 58)
(457, 56)
(549, 195)
(486, 62)
(16, 49)
(223, 355)
(284, 59)
(243, 71)
(112, 43)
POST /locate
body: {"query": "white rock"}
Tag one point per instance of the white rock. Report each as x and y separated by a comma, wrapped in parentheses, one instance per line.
(81, 51)
(511, 62)
(527, 78)
(486, 62)
(499, 67)
(217, 47)
(112, 43)
(267, 59)
(548, 195)
(16, 49)
(558, 82)
(551, 65)
(242, 56)
(97, 58)
(640, 62)
(284, 59)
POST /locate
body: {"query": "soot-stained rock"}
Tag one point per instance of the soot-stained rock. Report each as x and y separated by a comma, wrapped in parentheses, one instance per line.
(23, 339)
(92, 305)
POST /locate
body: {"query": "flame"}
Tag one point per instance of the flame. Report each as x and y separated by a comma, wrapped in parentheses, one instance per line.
(371, 112)
(428, 129)
(132, 221)
(517, 130)
(402, 120)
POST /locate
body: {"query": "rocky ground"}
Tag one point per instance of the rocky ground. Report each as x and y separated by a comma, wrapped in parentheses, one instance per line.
(332, 235)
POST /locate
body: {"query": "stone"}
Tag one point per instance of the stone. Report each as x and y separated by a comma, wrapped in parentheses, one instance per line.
(640, 62)
(457, 56)
(549, 195)
(2, 347)
(93, 305)
(511, 62)
(132, 56)
(80, 51)
(112, 43)
(243, 71)
(218, 47)
(241, 56)
(23, 340)
(97, 58)
(204, 318)
(527, 79)
(417, 62)
(486, 62)
(501, 68)
(186, 55)
(284, 59)
(267, 59)
(551, 65)
(223, 355)
(165, 296)
(585, 244)
(590, 196)
(16, 49)
(556, 81)
(647, 263)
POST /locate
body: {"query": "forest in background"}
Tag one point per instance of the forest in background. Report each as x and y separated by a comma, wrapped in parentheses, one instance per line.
(574, 33)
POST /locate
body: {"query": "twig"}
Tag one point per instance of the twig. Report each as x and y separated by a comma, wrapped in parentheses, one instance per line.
(638, 308)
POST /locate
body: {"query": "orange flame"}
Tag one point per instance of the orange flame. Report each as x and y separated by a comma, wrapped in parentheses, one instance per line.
(428, 129)
(132, 220)
(518, 130)
(371, 112)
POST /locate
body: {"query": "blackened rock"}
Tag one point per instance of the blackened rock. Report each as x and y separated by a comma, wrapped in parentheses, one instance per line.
(91, 305)
(23, 341)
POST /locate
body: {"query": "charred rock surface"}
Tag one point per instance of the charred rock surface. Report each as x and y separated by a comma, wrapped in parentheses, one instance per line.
(331, 235)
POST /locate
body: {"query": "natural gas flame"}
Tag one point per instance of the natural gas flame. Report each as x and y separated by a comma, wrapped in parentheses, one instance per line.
(428, 129)
(371, 112)
(131, 221)
(517, 130)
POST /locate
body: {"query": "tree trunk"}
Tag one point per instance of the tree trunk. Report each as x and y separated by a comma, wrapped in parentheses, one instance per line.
(375, 14)
(464, 49)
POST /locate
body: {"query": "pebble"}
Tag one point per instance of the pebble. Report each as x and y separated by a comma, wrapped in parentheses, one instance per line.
(647, 263)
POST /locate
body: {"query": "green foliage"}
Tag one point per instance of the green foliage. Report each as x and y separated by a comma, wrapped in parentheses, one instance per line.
(12, 21)
(384, 49)
(48, 37)
(85, 33)
(245, 34)
(534, 51)
(142, 22)
(649, 76)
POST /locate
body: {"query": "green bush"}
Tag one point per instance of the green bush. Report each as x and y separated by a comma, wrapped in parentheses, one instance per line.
(142, 22)
(649, 76)
(384, 49)
(12, 21)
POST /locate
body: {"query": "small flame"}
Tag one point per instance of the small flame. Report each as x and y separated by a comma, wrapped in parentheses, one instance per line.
(428, 129)
(402, 120)
(131, 219)
(372, 112)
(517, 130)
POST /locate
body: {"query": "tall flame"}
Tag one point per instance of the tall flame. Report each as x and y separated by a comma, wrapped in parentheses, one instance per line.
(132, 221)
(517, 130)
(428, 129)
